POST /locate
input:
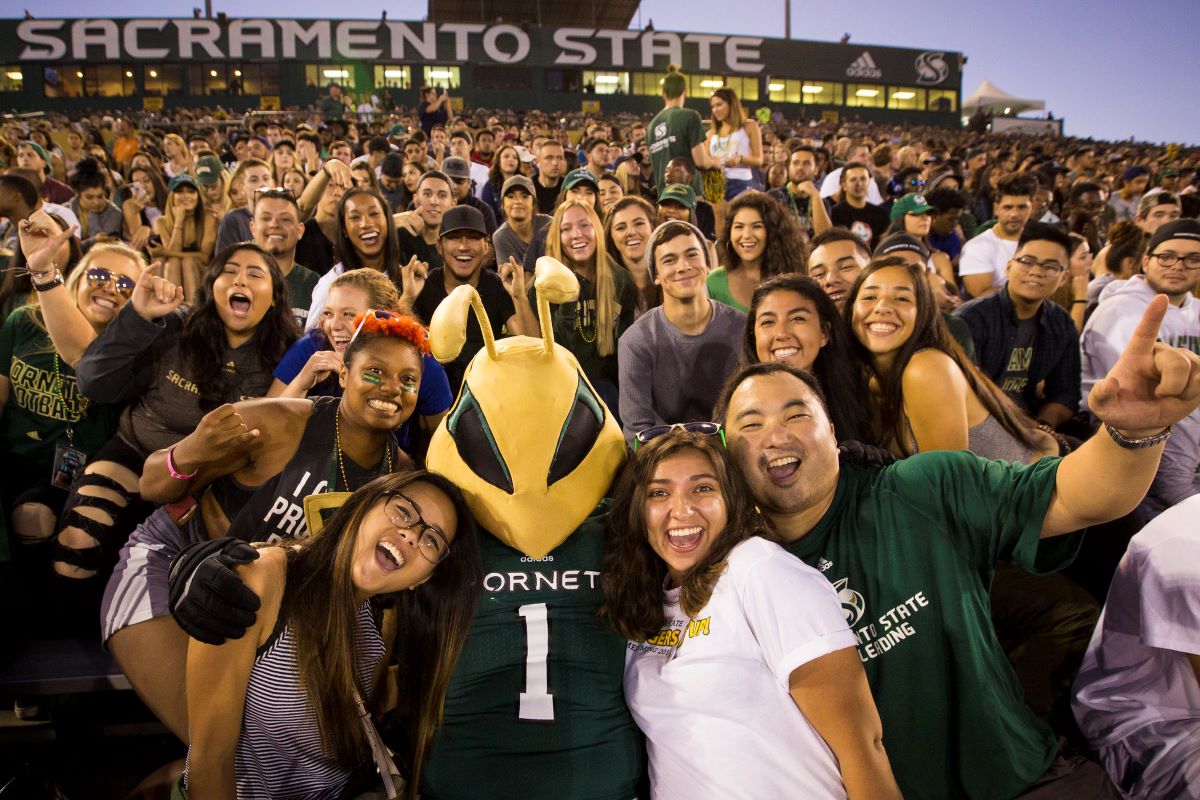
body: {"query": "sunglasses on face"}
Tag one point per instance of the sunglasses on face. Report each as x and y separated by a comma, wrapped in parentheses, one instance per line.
(377, 313)
(100, 278)
(705, 428)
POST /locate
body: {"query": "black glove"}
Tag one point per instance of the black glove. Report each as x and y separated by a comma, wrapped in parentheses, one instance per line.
(207, 598)
(864, 455)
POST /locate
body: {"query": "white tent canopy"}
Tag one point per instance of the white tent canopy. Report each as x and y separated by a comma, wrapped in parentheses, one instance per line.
(988, 97)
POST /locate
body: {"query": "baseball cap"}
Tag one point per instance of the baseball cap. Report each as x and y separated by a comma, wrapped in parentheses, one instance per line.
(1179, 229)
(283, 143)
(456, 168)
(680, 193)
(524, 154)
(1155, 197)
(518, 181)
(378, 144)
(462, 218)
(898, 242)
(208, 170)
(1134, 172)
(578, 176)
(183, 179)
(392, 166)
(911, 204)
(37, 148)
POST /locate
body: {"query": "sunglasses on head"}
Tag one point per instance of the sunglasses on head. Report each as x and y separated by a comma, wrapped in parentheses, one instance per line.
(99, 277)
(706, 428)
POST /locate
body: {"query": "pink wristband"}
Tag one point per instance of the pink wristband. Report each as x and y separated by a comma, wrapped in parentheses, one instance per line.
(179, 476)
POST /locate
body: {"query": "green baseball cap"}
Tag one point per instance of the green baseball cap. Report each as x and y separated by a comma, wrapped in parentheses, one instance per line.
(911, 204)
(208, 170)
(578, 176)
(37, 148)
(680, 193)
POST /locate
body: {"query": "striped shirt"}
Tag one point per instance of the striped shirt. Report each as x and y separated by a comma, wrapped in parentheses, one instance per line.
(279, 751)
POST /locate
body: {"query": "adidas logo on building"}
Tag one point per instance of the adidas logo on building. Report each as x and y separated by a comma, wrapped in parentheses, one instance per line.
(864, 67)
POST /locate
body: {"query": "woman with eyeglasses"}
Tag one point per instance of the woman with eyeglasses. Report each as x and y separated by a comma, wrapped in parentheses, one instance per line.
(187, 233)
(45, 422)
(741, 670)
(168, 365)
(278, 712)
(792, 320)
(312, 366)
(925, 392)
(251, 464)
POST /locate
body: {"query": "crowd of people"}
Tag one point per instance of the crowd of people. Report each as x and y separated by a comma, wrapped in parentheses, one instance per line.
(910, 420)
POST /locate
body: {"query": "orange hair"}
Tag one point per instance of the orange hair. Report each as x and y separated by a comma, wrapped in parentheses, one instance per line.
(400, 326)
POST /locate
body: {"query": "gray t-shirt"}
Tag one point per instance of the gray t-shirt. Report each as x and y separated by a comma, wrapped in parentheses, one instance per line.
(667, 376)
(509, 245)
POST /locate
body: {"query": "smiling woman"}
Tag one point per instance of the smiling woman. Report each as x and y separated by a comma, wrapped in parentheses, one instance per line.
(725, 626)
(760, 239)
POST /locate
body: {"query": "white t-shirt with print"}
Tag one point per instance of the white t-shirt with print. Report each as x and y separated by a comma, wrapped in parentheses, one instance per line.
(1136, 671)
(711, 693)
(986, 253)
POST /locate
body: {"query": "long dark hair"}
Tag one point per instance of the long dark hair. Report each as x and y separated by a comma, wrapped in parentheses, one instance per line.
(202, 340)
(633, 574)
(652, 295)
(929, 331)
(434, 618)
(344, 250)
(787, 246)
(495, 176)
(835, 366)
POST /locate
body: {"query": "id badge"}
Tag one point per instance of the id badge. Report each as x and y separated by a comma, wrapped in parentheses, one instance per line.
(68, 465)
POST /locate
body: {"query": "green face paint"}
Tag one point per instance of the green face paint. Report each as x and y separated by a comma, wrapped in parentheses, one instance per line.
(372, 379)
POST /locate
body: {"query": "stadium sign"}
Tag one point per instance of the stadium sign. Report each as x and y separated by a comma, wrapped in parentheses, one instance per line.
(221, 39)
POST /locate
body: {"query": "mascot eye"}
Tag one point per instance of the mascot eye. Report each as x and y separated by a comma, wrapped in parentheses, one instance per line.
(578, 435)
(476, 444)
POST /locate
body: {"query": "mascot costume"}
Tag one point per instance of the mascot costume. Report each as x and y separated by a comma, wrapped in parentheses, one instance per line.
(535, 707)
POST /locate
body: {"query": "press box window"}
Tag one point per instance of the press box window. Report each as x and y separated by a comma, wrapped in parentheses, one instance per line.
(904, 98)
(647, 84)
(160, 80)
(864, 95)
(503, 79)
(605, 82)
(393, 76)
(441, 76)
(319, 76)
(63, 80)
(703, 86)
(258, 78)
(783, 90)
(12, 79)
(821, 93)
(942, 100)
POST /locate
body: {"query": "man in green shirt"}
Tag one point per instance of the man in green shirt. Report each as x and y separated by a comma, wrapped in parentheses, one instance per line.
(912, 547)
(276, 228)
(677, 131)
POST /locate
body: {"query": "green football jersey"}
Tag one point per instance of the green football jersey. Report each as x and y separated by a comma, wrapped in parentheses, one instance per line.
(535, 707)
(911, 550)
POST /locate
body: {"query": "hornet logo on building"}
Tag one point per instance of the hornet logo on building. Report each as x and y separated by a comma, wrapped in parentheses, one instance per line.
(931, 68)
(864, 67)
(853, 604)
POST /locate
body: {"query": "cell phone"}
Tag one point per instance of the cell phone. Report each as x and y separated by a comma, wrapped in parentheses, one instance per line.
(138, 190)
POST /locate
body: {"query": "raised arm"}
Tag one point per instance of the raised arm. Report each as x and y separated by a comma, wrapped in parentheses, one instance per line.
(833, 694)
(332, 170)
(69, 330)
(1151, 387)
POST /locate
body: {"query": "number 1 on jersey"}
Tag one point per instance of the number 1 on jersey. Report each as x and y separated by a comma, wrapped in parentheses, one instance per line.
(536, 701)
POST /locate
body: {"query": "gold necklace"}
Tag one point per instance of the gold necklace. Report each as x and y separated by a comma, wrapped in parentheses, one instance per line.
(579, 323)
(337, 448)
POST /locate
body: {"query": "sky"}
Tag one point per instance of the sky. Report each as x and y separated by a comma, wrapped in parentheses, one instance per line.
(1111, 70)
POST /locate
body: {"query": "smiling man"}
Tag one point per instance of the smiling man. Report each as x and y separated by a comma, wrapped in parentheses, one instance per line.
(912, 547)
(837, 258)
(673, 360)
(983, 265)
(277, 229)
(1026, 343)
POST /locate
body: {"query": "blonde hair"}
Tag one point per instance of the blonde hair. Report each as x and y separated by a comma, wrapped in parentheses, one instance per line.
(606, 285)
(381, 292)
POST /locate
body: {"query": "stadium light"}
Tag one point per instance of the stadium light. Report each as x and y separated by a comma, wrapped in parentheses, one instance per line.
(336, 73)
(15, 75)
(607, 79)
(153, 73)
(904, 95)
(775, 87)
(711, 84)
(440, 73)
(867, 92)
(810, 89)
(393, 73)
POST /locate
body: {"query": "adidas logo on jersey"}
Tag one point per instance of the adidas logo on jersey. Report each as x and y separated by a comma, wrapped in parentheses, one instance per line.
(864, 67)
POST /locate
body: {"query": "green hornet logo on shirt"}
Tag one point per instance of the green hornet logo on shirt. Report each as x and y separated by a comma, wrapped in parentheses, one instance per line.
(853, 604)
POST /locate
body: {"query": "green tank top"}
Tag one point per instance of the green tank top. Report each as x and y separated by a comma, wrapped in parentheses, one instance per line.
(535, 707)
(718, 289)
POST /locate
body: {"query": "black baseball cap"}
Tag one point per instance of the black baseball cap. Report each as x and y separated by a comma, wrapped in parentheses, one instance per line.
(1179, 229)
(462, 218)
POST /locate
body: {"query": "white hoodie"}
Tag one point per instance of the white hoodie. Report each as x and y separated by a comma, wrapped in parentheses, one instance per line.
(1107, 332)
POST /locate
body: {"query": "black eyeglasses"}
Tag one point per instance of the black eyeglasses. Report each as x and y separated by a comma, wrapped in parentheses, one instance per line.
(431, 542)
(1029, 262)
(1189, 261)
(706, 428)
(99, 277)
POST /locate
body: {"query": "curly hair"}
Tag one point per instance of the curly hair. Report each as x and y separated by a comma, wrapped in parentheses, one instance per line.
(787, 245)
(632, 574)
(372, 325)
